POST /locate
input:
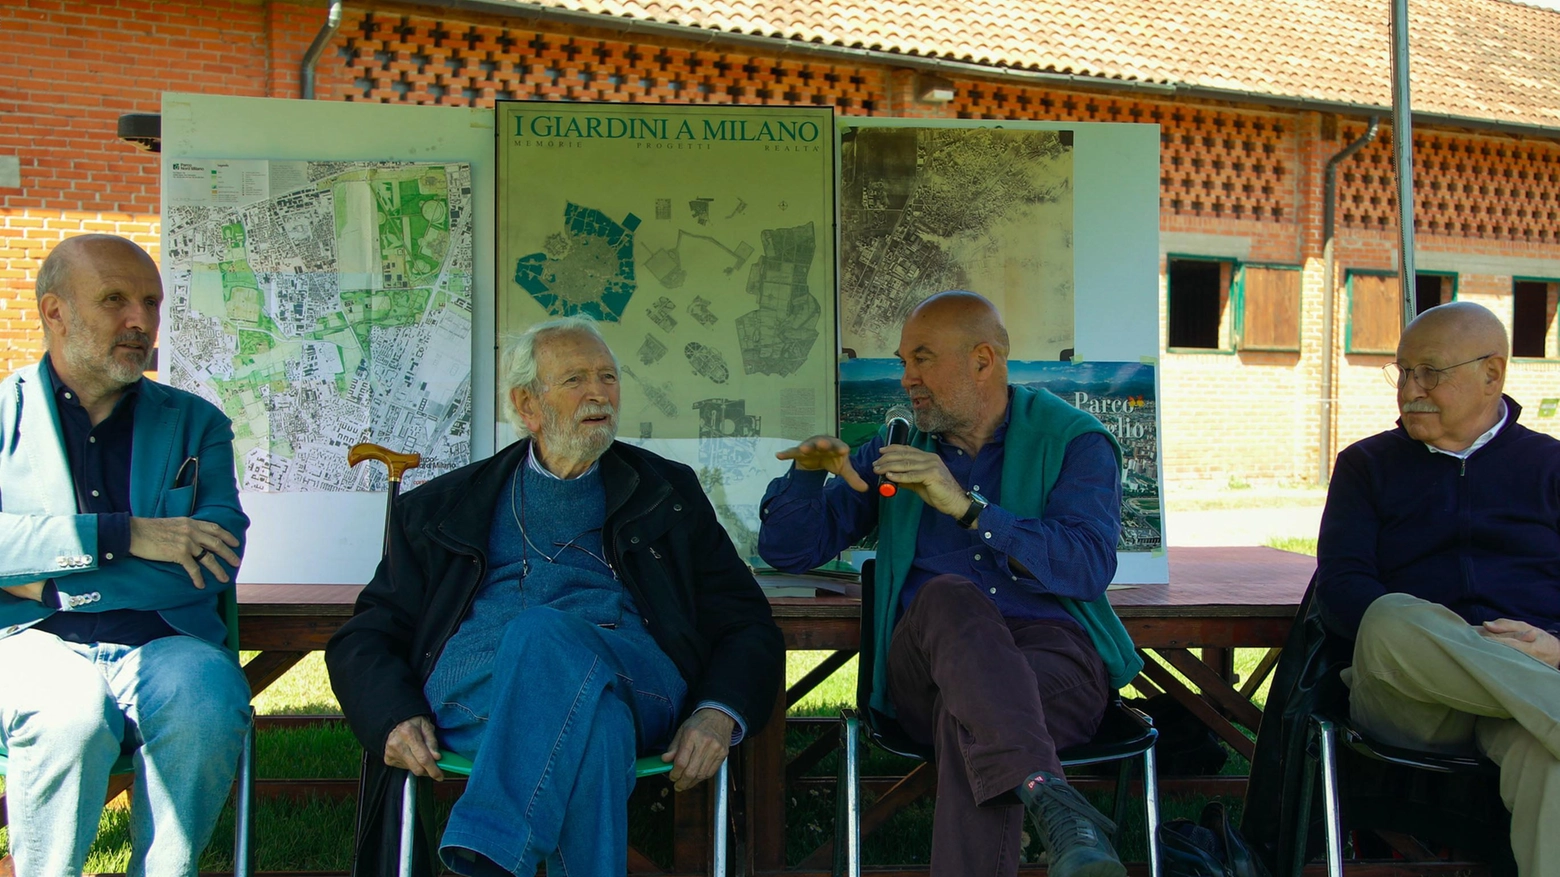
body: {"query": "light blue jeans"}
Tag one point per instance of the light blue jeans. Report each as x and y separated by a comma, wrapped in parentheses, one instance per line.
(556, 715)
(67, 711)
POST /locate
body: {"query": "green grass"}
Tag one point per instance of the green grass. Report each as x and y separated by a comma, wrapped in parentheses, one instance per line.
(316, 833)
(1297, 544)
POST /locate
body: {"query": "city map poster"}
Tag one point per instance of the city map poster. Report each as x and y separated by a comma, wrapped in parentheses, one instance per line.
(1119, 394)
(925, 208)
(320, 304)
(701, 239)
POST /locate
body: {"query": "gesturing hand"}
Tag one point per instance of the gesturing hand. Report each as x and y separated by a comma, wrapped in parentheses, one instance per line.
(699, 747)
(1525, 638)
(827, 453)
(926, 474)
(414, 746)
(188, 542)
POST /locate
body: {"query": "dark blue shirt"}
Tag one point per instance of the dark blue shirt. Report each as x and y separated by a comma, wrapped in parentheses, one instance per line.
(1480, 536)
(99, 459)
(1023, 564)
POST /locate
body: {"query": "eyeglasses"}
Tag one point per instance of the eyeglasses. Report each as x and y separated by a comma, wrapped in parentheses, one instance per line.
(1428, 377)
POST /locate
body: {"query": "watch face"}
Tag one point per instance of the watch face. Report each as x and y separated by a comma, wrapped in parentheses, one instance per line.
(975, 497)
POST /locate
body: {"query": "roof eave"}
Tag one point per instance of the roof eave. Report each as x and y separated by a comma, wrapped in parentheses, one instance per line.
(774, 45)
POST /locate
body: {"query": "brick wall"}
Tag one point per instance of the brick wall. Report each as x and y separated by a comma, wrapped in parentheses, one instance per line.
(1241, 174)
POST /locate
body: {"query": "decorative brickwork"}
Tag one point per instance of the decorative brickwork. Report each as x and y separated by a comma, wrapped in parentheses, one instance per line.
(1213, 163)
(410, 59)
(1466, 186)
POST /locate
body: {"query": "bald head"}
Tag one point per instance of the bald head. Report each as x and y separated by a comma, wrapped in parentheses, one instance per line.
(59, 273)
(1461, 325)
(967, 316)
(1451, 371)
(100, 300)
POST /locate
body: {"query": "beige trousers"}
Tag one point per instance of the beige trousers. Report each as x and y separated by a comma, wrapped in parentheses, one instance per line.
(1424, 678)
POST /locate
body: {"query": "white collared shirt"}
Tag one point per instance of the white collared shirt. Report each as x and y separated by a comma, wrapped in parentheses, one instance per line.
(1479, 442)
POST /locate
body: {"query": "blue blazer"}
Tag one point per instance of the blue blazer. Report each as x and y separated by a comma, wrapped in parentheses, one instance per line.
(43, 536)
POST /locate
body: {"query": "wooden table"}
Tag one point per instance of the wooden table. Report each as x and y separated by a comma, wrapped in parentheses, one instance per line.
(1218, 599)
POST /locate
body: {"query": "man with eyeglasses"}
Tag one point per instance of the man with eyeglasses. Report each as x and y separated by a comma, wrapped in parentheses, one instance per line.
(552, 613)
(1440, 556)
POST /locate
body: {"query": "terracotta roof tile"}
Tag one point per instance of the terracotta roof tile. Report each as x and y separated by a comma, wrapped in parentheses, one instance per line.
(1482, 59)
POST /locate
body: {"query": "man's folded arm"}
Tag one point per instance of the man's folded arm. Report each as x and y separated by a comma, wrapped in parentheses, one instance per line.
(136, 583)
(1070, 550)
(1348, 577)
(41, 546)
(808, 519)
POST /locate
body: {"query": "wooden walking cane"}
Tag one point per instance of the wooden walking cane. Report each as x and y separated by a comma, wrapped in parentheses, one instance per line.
(396, 463)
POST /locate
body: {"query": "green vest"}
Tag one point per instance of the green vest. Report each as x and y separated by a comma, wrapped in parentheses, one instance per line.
(1039, 428)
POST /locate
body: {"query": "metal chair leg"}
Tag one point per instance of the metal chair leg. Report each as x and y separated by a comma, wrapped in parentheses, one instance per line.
(722, 822)
(1296, 863)
(1330, 815)
(847, 799)
(1118, 813)
(1151, 807)
(408, 825)
(244, 806)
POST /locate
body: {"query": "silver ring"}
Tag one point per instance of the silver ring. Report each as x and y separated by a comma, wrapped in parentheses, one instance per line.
(203, 553)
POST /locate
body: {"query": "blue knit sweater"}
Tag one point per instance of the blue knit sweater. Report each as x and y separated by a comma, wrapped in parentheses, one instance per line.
(525, 574)
(1480, 536)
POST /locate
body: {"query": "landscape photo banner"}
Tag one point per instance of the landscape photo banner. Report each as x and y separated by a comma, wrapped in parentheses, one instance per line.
(1120, 395)
(925, 208)
(701, 239)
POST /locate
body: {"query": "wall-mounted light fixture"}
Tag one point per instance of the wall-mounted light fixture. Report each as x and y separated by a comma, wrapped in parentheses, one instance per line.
(142, 130)
(933, 89)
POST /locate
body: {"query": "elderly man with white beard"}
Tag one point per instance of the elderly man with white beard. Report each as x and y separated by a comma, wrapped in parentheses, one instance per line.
(552, 612)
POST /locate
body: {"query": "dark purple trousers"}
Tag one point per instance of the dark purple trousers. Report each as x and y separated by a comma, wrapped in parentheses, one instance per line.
(996, 699)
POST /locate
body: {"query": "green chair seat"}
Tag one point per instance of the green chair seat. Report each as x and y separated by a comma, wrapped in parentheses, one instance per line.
(459, 765)
(455, 764)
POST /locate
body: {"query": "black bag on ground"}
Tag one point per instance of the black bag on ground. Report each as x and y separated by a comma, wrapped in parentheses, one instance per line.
(1211, 847)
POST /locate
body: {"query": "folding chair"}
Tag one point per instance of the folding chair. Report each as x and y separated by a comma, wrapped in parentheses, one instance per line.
(1124, 734)
(650, 765)
(244, 801)
(1322, 751)
(1303, 722)
(460, 765)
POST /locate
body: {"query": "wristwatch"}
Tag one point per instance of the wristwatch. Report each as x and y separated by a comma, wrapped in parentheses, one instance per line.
(978, 504)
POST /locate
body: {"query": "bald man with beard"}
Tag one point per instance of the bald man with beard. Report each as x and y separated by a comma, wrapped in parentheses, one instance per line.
(1440, 557)
(120, 525)
(996, 645)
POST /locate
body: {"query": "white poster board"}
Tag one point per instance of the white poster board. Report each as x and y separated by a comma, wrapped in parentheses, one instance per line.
(1056, 222)
(335, 536)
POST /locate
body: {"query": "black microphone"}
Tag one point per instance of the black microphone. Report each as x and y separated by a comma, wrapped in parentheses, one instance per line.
(898, 422)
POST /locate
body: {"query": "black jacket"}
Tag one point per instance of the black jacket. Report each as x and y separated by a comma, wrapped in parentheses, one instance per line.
(699, 601)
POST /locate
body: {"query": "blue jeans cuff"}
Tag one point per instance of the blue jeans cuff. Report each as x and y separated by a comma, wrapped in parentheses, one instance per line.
(497, 852)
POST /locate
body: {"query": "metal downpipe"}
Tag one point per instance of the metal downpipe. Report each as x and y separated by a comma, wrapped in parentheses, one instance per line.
(317, 48)
(1330, 291)
(1403, 155)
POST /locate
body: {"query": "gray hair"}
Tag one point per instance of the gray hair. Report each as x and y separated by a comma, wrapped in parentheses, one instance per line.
(520, 368)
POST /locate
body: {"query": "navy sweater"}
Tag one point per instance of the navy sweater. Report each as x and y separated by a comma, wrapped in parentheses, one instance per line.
(1480, 536)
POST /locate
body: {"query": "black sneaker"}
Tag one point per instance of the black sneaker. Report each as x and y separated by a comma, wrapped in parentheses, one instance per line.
(1075, 833)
